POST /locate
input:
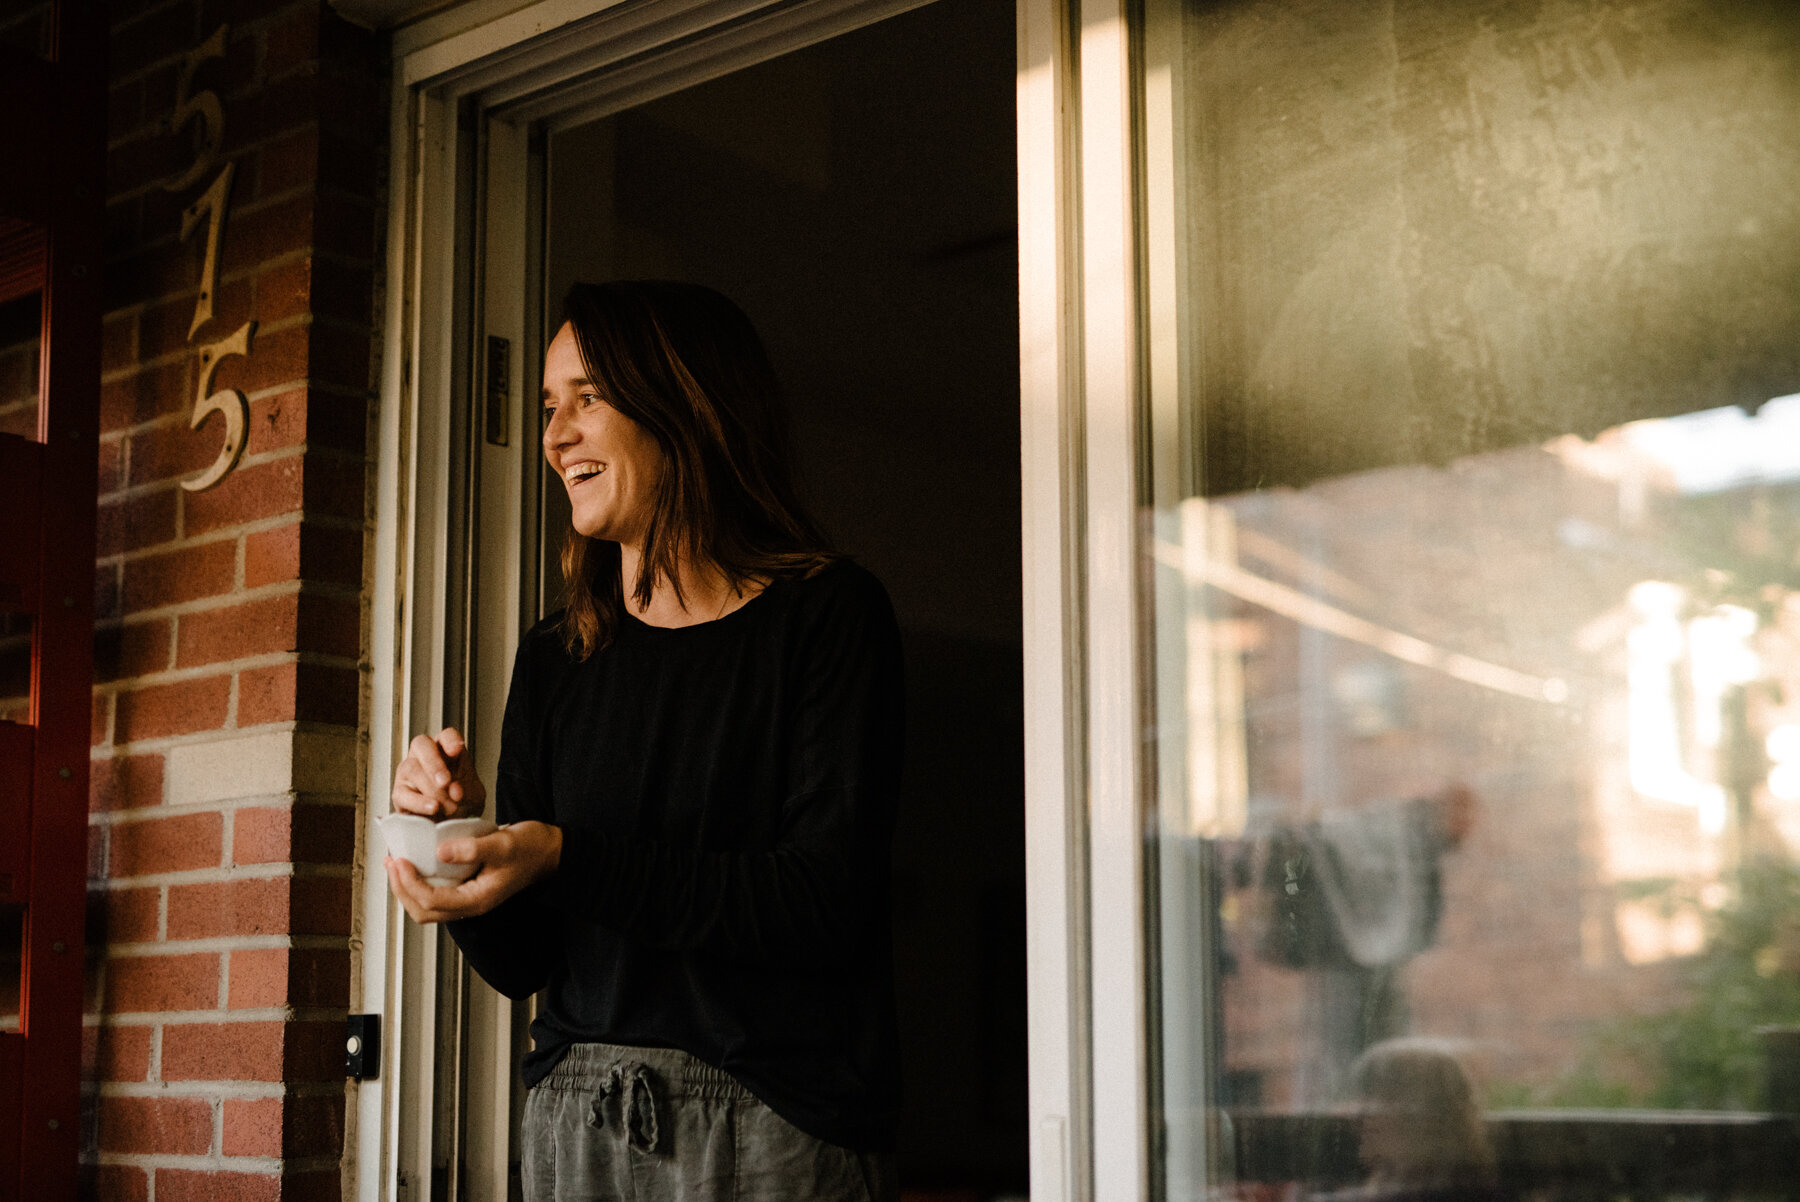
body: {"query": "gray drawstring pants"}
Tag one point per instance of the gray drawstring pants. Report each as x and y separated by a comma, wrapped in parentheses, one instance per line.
(612, 1124)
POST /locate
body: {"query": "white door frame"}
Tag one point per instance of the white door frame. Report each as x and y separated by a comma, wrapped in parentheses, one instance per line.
(557, 62)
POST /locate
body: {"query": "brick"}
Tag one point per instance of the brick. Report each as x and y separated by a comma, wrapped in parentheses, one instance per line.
(106, 591)
(248, 1051)
(157, 711)
(142, 162)
(344, 225)
(150, 984)
(260, 836)
(272, 556)
(313, 1125)
(158, 34)
(163, 329)
(340, 423)
(293, 40)
(122, 1053)
(118, 342)
(254, 628)
(258, 979)
(121, 1183)
(287, 102)
(253, 1126)
(205, 1185)
(292, 162)
(246, 495)
(107, 471)
(265, 977)
(284, 290)
(267, 231)
(133, 523)
(314, 1185)
(334, 485)
(103, 708)
(154, 272)
(279, 358)
(172, 844)
(173, 1126)
(341, 356)
(277, 422)
(124, 782)
(315, 1051)
(304, 834)
(132, 649)
(343, 293)
(148, 393)
(132, 914)
(99, 842)
(297, 692)
(188, 574)
(330, 625)
(321, 905)
(331, 555)
(215, 908)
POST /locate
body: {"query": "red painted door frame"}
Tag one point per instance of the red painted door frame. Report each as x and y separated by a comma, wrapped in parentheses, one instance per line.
(52, 196)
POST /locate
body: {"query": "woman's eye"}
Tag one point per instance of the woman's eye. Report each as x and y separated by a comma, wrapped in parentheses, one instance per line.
(589, 398)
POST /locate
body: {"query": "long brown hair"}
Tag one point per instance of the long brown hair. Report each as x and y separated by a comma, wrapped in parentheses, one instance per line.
(684, 363)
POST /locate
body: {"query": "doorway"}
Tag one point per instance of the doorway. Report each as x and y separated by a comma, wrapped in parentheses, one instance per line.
(857, 199)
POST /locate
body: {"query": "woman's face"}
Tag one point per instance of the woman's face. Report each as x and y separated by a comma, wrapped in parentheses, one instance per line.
(609, 464)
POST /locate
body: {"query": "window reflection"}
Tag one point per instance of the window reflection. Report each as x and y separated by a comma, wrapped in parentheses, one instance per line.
(1476, 591)
(1498, 761)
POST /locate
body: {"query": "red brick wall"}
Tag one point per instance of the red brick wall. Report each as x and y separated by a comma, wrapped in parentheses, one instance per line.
(230, 623)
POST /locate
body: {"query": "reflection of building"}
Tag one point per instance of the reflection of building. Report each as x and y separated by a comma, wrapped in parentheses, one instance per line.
(1595, 653)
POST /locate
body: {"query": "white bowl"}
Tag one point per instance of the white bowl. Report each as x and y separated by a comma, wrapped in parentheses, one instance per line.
(415, 838)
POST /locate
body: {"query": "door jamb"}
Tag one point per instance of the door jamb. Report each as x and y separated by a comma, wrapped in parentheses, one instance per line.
(386, 1154)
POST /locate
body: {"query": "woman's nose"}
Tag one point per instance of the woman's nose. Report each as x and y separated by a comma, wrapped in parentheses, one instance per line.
(557, 431)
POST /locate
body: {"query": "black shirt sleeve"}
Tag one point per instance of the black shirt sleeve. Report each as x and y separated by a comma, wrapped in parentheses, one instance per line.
(813, 893)
(515, 945)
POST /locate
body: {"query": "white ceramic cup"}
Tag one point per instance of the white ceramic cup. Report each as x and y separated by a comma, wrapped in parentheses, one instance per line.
(415, 838)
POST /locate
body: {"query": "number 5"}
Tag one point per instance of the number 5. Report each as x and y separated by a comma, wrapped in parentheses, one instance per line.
(227, 403)
(204, 106)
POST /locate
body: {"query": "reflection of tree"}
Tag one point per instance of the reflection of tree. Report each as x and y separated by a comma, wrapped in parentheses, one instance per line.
(1705, 1054)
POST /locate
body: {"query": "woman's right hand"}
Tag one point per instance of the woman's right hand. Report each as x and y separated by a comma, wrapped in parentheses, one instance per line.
(437, 778)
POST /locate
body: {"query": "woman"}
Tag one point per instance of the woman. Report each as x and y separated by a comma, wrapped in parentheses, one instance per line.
(698, 771)
(1420, 1131)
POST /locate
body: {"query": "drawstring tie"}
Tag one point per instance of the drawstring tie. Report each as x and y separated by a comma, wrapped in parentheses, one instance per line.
(637, 1100)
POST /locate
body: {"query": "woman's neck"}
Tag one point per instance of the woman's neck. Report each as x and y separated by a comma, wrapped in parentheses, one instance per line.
(705, 594)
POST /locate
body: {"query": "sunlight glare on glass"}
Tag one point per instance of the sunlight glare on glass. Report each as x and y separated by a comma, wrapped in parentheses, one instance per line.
(1717, 449)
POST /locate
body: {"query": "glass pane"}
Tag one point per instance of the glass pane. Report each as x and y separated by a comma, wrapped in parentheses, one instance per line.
(1477, 596)
(20, 328)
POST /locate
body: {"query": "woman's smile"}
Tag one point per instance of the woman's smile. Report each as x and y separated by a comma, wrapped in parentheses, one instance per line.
(609, 464)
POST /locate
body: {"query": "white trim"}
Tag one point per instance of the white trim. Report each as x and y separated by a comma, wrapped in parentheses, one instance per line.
(719, 51)
(421, 62)
(553, 45)
(1114, 663)
(499, 582)
(391, 1154)
(1049, 424)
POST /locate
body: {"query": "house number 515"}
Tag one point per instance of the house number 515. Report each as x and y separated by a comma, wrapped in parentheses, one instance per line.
(230, 404)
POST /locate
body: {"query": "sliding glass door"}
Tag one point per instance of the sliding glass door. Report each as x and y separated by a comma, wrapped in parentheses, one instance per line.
(1471, 583)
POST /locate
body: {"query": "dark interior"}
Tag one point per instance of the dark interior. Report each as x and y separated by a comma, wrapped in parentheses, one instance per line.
(857, 199)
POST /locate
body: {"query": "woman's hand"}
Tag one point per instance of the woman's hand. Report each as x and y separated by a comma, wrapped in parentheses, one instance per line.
(511, 858)
(437, 778)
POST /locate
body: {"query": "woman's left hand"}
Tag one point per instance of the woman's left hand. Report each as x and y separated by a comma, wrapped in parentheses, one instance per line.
(511, 858)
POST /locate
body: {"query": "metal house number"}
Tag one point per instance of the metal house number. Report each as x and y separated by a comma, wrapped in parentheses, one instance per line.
(230, 404)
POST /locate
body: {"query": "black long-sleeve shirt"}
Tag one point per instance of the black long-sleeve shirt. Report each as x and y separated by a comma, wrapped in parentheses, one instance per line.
(726, 795)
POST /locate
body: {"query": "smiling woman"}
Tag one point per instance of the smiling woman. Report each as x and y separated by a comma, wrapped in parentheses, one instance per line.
(698, 770)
